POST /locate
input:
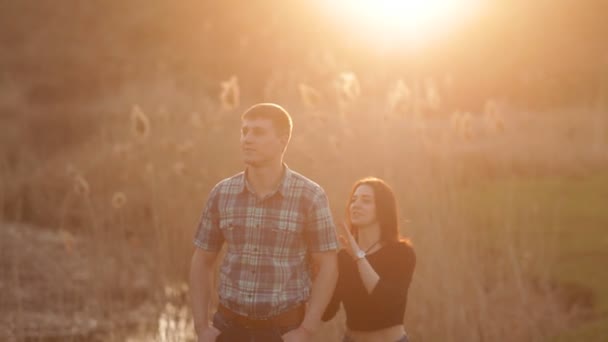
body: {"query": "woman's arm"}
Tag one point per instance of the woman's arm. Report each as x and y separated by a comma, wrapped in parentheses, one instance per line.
(369, 276)
(398, 268)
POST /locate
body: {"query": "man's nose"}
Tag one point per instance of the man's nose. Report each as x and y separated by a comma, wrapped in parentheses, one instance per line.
(246, 137)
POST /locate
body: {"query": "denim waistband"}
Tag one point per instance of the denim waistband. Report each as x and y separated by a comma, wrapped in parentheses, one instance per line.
(350, 339)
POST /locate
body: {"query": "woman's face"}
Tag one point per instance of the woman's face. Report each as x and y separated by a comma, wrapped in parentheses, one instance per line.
(362, 208)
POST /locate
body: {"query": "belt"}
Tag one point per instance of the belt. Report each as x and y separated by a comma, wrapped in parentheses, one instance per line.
(291, 317)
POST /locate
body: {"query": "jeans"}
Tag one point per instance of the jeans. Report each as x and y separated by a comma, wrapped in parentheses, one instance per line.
(232, 332)
(350, 339)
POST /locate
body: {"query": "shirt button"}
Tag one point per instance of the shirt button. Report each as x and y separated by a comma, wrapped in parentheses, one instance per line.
(255, 249)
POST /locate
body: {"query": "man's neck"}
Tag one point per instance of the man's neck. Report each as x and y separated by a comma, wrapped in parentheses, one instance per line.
(265, 179)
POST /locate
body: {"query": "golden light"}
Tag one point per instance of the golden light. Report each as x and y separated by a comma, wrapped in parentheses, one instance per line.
(414, 20)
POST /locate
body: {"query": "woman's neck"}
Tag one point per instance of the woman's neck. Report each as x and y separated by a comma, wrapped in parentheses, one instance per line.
(368, 236)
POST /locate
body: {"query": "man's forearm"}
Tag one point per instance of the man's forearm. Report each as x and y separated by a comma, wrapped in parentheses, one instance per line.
(200, 292)
(322, 290)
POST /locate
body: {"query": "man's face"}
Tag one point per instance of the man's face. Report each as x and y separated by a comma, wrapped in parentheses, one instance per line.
(260, 141)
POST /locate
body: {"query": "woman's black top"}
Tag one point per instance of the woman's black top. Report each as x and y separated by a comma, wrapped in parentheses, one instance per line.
(385, 306)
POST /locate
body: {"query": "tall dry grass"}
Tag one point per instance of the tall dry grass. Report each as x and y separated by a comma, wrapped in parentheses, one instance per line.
(119, 212)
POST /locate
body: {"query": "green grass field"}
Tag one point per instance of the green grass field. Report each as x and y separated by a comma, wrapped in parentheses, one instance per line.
(574, 220)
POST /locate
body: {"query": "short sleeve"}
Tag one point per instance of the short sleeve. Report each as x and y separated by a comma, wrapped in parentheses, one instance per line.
(320, 231)
(208, 235)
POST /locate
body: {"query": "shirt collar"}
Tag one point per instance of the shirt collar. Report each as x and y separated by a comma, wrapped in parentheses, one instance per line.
(282, 187)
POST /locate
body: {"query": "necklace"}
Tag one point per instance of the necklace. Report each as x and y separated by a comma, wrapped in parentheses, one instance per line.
(372, 246)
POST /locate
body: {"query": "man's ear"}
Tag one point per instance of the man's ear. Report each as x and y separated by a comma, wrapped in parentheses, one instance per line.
(284, 139)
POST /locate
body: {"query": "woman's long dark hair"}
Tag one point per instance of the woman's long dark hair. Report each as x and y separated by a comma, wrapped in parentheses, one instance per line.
(386, 209)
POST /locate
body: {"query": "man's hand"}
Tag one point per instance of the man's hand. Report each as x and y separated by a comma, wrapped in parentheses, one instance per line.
(208, 334)
(201, 273)
(297, 335)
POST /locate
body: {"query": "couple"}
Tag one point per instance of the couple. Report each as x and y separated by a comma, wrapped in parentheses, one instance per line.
(277, 226)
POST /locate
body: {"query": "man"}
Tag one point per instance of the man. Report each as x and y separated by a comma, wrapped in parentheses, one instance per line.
(275, 223)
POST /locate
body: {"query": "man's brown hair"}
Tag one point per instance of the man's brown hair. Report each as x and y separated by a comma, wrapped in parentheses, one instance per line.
(278, 115)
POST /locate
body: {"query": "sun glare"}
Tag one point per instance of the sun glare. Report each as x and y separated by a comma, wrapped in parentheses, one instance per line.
(409, 19)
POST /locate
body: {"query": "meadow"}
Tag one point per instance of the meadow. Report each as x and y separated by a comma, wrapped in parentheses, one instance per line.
(505, 207)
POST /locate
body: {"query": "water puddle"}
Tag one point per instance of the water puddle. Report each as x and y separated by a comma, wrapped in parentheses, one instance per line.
(174, 323)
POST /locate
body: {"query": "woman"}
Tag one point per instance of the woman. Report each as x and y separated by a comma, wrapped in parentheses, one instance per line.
(376, 266)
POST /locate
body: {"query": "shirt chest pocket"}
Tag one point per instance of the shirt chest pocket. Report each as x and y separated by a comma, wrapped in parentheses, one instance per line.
(234, 231)
(287, 237)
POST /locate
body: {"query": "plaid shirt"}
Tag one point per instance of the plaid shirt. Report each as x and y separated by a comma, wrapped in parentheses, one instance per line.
(266, 268)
